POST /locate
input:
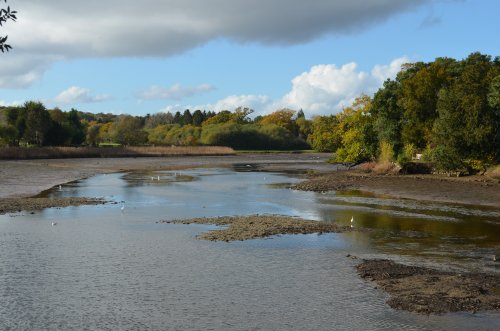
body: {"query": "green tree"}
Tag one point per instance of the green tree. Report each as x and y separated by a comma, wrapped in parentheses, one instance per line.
(359, 142)
(467, 126)
(324, 136)
(38, 123)
(282, 117)
(128, 131)
(419, 95)
(387, 114)
(187, 118)
(198, 117)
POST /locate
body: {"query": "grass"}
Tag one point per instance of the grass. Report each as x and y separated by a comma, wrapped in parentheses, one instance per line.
(19, 153)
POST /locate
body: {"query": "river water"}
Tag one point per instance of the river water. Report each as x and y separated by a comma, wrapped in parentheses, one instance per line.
(104, 268)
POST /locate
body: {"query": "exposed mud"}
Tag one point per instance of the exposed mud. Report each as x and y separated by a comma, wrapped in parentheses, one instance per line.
(429, 291)
(259, 226)
(477, 190)
(12, 205)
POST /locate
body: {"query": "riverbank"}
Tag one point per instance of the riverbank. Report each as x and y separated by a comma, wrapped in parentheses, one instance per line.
(472, 190)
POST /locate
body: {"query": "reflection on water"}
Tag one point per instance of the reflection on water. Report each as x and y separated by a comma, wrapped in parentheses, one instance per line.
(461, 236)
(101, 268)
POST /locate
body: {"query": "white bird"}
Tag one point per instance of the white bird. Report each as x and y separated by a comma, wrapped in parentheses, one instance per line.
(60, 187)
(122, 208)
(54, 223)
(158, 177)
(152, 178)
(352, 221)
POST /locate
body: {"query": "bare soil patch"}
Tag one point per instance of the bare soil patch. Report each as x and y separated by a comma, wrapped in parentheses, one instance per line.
(259, 226)
(429, 291)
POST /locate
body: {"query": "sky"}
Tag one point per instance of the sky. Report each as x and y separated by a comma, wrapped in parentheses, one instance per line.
(148, 56)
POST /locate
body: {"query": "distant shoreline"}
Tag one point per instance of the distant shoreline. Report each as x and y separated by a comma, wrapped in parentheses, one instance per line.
(25, 178)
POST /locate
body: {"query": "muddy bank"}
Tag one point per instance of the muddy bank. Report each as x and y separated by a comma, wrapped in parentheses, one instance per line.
(259, 226)
(24, 178)
(428, 291)
(477, 190)
(12, 205)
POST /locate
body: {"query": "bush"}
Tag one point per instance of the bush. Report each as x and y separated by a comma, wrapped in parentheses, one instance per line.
(447, 159)
(386, 152)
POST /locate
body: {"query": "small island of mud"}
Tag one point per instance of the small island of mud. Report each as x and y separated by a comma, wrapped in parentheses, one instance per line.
(259, 226)
(429, 291)
(13, 205)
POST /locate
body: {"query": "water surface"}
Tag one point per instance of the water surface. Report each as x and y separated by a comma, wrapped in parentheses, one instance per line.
(104, 269)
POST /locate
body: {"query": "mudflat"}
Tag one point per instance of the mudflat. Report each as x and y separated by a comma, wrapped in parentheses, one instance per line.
(473, 190)
(24, 178)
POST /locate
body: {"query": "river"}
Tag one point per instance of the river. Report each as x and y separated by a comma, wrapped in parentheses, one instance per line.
(104, 268)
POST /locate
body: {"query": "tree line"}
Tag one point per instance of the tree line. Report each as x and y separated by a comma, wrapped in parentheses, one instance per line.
(446, 110)
(34, 125)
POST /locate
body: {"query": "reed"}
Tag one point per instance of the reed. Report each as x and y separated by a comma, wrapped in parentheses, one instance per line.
(19, 153)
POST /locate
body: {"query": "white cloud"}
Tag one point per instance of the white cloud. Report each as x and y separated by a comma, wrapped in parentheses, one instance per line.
(324, 89)
(51, 30)
(232, 102)
(260, 103)
(174, 92)
(21, 70)
(76, 94)
(11, 103)
(327, 88)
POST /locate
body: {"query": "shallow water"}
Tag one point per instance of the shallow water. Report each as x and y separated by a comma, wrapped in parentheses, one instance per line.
(104, 269)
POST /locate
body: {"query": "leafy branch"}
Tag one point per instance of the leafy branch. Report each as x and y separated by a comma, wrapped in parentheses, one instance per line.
(5, 15)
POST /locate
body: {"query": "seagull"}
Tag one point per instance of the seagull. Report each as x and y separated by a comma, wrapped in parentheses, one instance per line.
(54, 223)
(60, 188)
(352, 221)
(158, 177)
(122, 208)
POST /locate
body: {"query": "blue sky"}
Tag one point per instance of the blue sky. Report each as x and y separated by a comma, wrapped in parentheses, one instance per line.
(221, 54)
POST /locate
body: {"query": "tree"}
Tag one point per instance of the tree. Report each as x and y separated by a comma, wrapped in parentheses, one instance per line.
(128, 131)
(324, 136)
(5, 15)
(467, 126)
(282, 117)
(187, 118)
(419, 96)
(359, 142)
(159, 119)
(198, 117)
(387, 114)
(38, 123)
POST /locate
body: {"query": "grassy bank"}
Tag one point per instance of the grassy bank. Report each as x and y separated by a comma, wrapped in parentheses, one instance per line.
(18, 153)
